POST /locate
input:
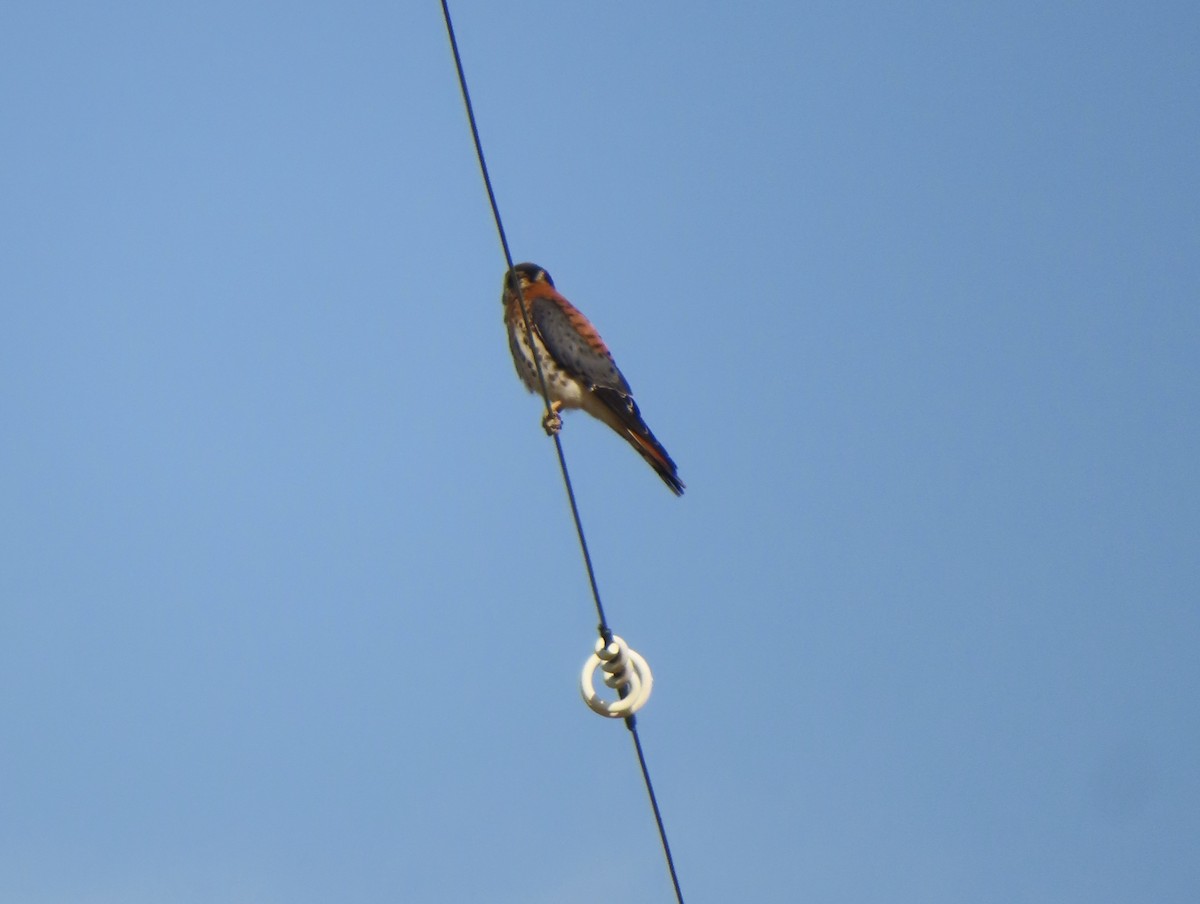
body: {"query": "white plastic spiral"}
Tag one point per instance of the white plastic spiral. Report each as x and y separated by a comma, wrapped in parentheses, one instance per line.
(627, 673)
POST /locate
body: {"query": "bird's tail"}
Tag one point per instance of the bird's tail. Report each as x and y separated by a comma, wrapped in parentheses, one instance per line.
(656, 456)
(620, 411)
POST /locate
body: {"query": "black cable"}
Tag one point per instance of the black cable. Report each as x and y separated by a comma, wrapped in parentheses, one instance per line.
(605, 633)
(631, 724)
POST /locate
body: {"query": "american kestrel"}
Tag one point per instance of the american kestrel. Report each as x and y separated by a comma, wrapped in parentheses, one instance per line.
(578, 367)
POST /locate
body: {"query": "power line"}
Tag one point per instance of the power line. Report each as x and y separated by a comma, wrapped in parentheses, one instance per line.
(631, 724)
(541, 377)
(605, 633)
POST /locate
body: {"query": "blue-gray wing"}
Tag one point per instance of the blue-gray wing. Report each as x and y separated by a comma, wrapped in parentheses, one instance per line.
(575, 346)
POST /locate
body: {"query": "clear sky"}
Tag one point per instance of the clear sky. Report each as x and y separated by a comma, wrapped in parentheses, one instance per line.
(291, 609)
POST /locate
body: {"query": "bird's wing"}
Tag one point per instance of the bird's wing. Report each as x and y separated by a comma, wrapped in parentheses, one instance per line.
(575, 345)
(578, 349)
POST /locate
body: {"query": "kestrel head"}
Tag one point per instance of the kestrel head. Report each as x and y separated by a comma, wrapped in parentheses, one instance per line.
(527, 274)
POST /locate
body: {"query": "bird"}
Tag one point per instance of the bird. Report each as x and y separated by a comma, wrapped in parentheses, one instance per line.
(578, 368)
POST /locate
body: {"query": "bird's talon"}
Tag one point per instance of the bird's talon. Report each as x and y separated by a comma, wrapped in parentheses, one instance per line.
(552, 423)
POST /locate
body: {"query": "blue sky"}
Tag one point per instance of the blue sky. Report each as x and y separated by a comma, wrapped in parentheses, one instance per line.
(291, 606)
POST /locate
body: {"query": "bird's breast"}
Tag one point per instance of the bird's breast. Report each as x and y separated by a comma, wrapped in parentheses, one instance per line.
(561, 385)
